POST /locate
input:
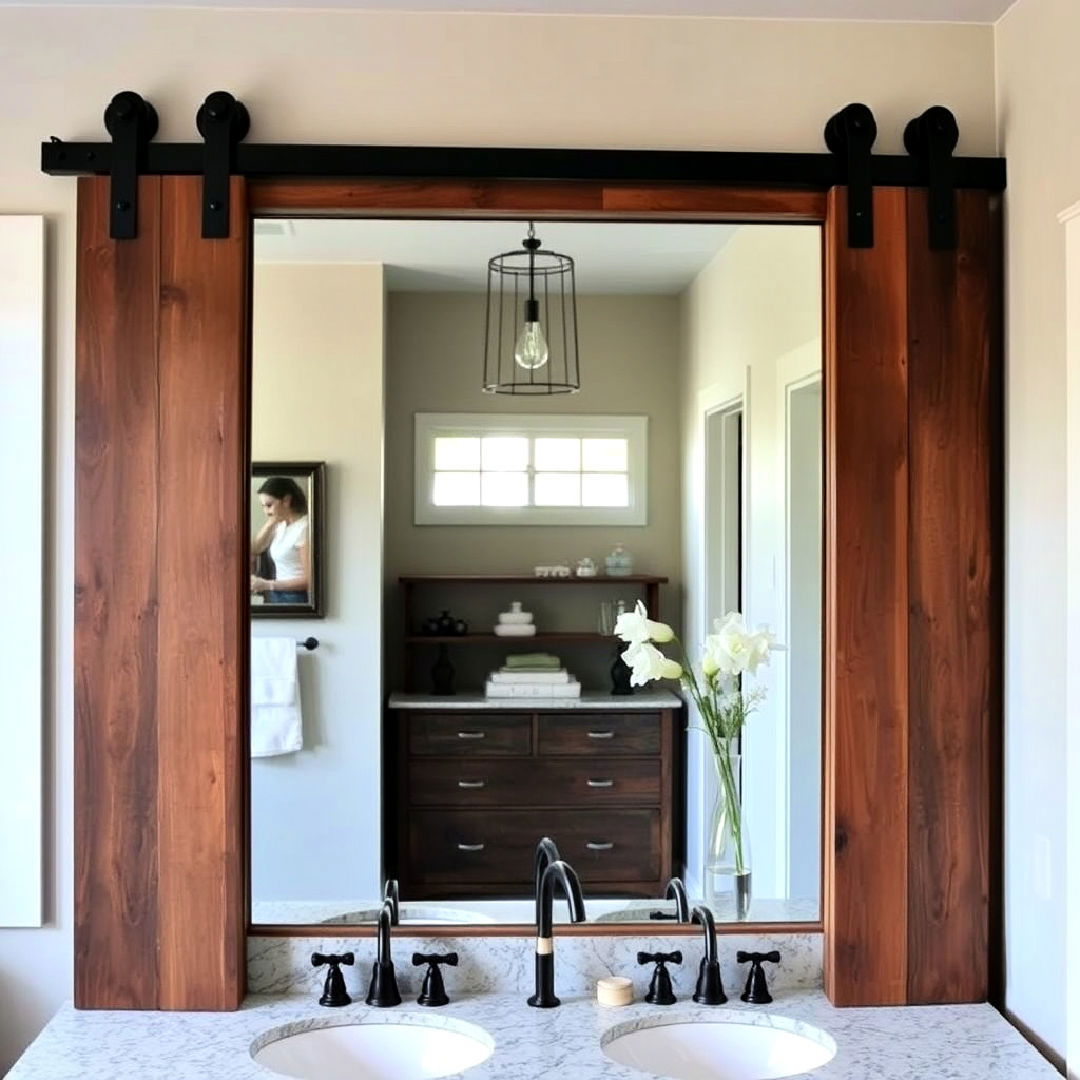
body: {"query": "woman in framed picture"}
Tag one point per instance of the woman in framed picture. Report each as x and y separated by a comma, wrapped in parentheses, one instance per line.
(285, 537)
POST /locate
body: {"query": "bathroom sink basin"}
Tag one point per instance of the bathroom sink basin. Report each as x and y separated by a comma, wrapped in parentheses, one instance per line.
(414, 914)
(720, 1049)
(401, 1050)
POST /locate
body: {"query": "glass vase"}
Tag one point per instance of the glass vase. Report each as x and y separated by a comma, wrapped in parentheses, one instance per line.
(727, 856)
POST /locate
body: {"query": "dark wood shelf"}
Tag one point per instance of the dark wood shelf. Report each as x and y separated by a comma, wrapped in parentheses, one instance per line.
(498, 639)
(529, 579)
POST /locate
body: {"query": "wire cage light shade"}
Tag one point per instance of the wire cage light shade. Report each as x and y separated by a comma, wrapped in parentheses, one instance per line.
(531, 334)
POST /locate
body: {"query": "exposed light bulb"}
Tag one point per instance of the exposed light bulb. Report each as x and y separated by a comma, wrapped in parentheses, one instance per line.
(531, 348)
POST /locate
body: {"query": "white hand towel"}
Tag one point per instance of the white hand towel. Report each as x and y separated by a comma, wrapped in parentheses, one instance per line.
(276, 720)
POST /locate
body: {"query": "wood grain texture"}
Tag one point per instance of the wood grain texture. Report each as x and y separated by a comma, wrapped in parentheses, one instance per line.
(513, 198)
(161, 632)
(866, 646)
(203, 630)
(951, 575)
(116, 604)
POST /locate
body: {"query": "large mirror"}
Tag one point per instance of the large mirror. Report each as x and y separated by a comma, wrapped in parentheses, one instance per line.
(468, 694)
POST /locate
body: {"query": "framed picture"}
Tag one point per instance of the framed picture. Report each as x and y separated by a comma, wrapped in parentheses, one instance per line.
(287, 516)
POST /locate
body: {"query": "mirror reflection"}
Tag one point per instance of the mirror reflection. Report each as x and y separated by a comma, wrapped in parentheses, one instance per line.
(575, 593)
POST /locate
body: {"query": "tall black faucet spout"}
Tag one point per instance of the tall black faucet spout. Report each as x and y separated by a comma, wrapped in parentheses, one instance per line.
(710, 989)
(562, 873)
(676, 891)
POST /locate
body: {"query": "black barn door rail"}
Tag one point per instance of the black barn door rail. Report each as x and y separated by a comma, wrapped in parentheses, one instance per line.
(850, 162)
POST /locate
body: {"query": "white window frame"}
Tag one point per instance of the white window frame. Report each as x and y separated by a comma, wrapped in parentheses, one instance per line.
(429, 426)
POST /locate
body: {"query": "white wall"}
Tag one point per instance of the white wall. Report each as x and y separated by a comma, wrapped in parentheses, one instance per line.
(751, 318)
(420, 79)
(1038, 88)
(317, 395)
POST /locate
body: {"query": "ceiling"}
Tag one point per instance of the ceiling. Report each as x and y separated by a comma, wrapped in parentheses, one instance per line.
(972, 11)
(451, 256)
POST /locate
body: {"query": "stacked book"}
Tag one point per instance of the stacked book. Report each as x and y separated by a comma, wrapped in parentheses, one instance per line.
(534, 675)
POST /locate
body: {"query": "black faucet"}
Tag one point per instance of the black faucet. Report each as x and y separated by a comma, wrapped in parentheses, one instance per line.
(392, 896)
(383, 992)
(710, 990)
(676, 891)
(546, 854)
(557, 871)
(334, 993)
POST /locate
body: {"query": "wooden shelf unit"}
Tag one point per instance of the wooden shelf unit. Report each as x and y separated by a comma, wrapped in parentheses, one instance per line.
(649, 584)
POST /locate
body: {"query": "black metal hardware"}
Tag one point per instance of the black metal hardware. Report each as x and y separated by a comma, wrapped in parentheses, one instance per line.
(433, 992)
(849, 135)
(310, 643)
(334, 993)
(932, 138)
(660, 988)
(383, 991)
(757, 989)
(283, 160)
(392, 896)
(710, 989)
(222, 121)
(132, 122)
(676, 891)
(563, 874)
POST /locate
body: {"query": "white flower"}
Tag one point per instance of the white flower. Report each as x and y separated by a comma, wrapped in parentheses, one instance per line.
(733, 649)
(636, 626)
(647, 663)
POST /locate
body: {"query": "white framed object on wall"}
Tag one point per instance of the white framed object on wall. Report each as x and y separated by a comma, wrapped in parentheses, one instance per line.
(22, 437)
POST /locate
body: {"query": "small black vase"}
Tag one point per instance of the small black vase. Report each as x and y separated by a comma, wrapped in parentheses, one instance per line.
(620, 674)
(442, 673)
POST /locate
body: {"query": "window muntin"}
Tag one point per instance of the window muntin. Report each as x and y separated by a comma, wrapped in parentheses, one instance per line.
(477, 468)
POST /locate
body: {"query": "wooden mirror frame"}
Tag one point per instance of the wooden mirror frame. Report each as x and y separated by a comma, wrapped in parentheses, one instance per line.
(912, 650)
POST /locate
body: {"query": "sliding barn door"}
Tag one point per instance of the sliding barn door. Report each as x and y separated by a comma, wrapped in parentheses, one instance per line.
(912, 679)
(160, 633)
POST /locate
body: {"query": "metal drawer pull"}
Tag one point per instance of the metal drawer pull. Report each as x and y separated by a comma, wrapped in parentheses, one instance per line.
(600, 783)
(470, 847)
(594, 846)
(471, 734)
(471, 783)
(601, 734)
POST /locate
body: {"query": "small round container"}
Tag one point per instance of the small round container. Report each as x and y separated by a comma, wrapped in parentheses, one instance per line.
(614, 991)
(515, 616)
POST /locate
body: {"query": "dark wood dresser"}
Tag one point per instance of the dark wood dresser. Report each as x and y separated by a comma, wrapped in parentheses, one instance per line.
(476, 783)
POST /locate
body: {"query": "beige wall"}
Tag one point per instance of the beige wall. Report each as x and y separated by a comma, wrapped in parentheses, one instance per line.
(343, 77)
(629, 365)
(317, 395)
(756, 305)
(1038, 88)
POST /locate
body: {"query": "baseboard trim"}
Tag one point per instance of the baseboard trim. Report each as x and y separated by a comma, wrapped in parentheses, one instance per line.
(1047, 1051)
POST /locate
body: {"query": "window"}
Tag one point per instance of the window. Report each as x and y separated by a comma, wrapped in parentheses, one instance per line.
(500, 469)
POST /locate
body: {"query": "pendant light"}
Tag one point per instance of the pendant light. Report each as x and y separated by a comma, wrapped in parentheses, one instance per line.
(530, 336)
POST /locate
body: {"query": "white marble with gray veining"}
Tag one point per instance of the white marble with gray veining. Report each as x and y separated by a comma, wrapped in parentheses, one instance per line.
(505, 964)
(958, 1042)
(590, 699)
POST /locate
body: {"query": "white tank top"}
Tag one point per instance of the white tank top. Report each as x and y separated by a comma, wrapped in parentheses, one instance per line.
(289, 537)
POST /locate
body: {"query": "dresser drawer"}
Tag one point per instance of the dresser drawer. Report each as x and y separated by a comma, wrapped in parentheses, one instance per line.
(470, 734)
(602, 734)
(537, 782)
(469, 846)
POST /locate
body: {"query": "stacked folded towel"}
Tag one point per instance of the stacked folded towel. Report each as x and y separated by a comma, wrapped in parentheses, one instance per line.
(533, 675)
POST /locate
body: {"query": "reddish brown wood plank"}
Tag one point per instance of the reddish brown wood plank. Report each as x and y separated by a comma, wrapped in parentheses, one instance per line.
(950, 629)
(202, 631)
(672, 201)
(116, 501)
(459, 198)
(865, 826)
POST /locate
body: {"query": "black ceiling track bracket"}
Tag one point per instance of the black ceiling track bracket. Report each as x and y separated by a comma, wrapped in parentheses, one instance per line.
(132, 122)
(222, 121)
(932, 138)
(850, 134)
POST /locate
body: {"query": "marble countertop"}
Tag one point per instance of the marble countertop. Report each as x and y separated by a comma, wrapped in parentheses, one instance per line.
(957, 1042)
(590, 699)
